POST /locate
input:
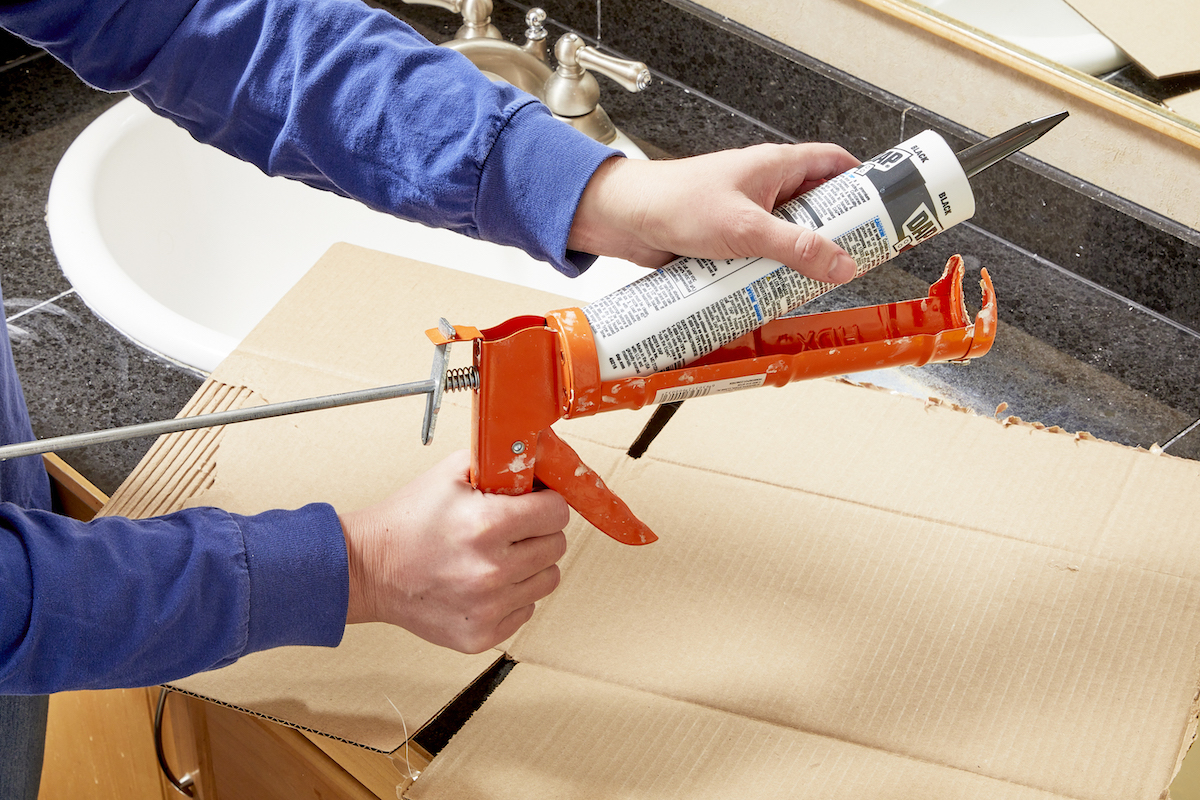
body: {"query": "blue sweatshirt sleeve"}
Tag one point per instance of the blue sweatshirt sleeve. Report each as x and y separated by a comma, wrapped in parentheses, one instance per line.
(122, 603)
(342, 97)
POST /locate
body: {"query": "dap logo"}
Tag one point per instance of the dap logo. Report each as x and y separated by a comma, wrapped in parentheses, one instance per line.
(911, 208)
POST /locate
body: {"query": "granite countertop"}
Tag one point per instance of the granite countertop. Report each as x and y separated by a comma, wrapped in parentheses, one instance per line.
(1075, 350)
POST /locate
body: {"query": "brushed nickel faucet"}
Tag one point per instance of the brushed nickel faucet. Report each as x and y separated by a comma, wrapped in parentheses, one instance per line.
(570, 91)
(476, 14)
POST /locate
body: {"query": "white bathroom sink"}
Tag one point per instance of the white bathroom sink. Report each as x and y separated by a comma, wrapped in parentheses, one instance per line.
(1050, 28)
(184, 248)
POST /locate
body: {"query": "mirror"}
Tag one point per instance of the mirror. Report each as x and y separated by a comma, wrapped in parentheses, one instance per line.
(1118, 86)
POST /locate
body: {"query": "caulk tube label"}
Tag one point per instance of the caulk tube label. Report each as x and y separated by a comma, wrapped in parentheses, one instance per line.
(693, 306)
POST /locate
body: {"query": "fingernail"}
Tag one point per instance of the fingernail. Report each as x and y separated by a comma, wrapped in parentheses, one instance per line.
(843, 269)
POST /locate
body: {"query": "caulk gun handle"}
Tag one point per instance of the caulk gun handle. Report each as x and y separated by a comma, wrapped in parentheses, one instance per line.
(512, 445)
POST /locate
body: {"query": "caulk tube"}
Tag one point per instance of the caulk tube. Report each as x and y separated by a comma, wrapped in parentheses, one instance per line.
(693, 306)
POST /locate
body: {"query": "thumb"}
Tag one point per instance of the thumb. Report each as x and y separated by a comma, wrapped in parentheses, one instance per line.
(805, 251)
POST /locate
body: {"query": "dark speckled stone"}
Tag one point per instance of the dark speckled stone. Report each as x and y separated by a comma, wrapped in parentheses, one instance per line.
(1084, 229)
(13, 49)
(654, 116)
(783, 89)
(581, 16)
(78, 373)
(38, 94)
(1188, 443)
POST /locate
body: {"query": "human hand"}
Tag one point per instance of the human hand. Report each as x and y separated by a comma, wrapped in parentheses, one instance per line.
(451, 564)
(712, 206)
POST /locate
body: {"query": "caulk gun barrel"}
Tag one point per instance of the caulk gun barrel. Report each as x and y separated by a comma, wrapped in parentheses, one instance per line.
(976, 158)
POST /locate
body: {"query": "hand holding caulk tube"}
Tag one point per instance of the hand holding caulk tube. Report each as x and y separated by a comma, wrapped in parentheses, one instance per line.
(729, 194)
(874, 211)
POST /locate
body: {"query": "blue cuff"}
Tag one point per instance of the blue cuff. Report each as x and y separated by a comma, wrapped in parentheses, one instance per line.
(299, 577)
(526, 202)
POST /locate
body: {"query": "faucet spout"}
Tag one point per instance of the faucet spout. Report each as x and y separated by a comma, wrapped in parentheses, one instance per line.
(476, 14)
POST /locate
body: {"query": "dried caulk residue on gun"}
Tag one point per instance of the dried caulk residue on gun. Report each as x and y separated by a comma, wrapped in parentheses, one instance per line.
(693, 306)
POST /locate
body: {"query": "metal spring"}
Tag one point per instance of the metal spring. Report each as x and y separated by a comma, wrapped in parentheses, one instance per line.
(462, 378)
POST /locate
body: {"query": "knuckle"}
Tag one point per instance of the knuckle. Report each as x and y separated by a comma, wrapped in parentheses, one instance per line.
(559, 546)
(563, 510)
(482, 580)
(553, 579)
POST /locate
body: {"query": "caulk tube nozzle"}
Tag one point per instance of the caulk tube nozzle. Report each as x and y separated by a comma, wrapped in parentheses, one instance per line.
(978, 157)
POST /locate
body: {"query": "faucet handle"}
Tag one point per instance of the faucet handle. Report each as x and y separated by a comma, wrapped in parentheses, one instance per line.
(572, 91)
(535, 33)
(634, 76)
(573, 55)
(476, 14)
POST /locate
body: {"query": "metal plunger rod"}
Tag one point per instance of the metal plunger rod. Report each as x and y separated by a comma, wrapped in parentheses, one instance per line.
(165, 426)
(978, 157)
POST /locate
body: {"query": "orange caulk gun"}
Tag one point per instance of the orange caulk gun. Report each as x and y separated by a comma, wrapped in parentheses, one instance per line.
(529, 372)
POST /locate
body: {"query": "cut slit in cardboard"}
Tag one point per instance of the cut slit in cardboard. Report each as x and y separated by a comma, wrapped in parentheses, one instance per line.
(854, 593)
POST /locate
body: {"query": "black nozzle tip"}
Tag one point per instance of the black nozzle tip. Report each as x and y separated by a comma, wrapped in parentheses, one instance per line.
(976, 158)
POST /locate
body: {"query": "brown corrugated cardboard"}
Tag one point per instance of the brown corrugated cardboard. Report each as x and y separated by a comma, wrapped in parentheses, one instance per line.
(1186, 105)
(854, 593)
(619, 742)
(1160, 36)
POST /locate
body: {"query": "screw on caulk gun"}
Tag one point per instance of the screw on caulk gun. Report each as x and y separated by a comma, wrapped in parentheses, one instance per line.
(885, 206)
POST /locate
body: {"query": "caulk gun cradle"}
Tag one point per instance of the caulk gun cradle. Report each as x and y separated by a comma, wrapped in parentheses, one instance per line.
(534, 371)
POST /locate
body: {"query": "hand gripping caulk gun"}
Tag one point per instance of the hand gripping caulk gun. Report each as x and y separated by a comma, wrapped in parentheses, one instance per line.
(531, 371)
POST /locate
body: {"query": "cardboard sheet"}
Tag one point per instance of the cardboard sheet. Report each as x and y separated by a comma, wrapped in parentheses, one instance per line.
(1161, 36)
(695, 752)
(356, 321)
(901, 592)
(1186, 105)
(854, 593)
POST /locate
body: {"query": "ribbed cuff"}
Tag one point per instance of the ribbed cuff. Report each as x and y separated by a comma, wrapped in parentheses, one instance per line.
(531, 184)
(299, 577)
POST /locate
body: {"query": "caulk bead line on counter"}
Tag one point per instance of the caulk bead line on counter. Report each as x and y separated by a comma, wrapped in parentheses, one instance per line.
(693, 306)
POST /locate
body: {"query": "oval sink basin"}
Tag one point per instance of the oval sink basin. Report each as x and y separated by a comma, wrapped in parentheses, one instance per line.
(184, 248)
(1050, 28)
